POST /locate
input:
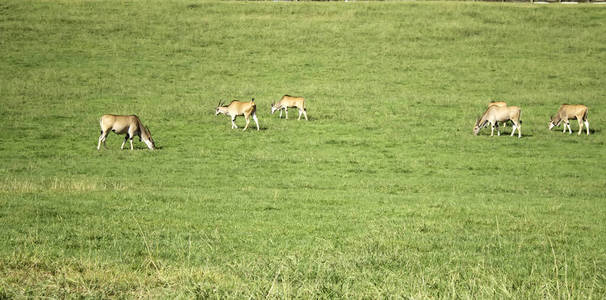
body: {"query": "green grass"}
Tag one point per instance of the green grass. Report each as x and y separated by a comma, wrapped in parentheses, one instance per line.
(385, 192)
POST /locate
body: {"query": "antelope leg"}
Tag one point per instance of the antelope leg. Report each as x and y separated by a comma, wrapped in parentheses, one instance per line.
(247, 121)
(256, 120)
(101, 140)
(519, 126)
(124, 142)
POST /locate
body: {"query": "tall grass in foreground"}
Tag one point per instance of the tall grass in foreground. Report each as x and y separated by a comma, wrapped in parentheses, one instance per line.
(383, 193)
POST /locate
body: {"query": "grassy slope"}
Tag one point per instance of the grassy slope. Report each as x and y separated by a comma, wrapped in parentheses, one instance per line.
(384, 192)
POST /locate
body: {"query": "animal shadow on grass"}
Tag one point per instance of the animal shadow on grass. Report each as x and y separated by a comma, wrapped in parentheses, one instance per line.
(592, 131)
(295, 119)
(249, 129)
(140, 148)
(508, 133)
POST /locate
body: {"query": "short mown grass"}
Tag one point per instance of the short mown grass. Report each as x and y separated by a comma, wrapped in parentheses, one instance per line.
(385, 192)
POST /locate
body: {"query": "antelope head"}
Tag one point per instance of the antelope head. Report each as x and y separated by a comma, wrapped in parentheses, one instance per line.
(147, 139)
(274, 107)
(220, 109)
(476, 127)
(554, 122)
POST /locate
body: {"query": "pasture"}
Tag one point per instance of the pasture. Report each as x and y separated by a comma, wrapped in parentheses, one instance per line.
(384, 192)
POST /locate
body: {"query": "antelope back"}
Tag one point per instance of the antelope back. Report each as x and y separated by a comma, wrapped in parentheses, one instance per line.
(240, 108)
(292, 101)
(498, 113)
(118, 123)
(569, 111)
(497, 103)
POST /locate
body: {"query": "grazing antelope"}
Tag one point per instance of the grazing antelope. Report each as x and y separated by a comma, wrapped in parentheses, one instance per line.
(129, 125)
(289, 101)
(495, 114)
(570, 112)
(237, 108)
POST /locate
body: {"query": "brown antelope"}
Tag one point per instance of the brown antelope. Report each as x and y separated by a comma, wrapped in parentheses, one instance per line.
(237, 108)
(495, 114)
(289, 101)
(570, 112)
(129, 125)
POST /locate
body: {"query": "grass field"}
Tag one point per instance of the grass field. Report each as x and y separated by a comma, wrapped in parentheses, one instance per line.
(384, 192)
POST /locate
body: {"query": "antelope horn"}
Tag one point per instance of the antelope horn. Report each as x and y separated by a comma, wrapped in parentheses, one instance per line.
(218, 105)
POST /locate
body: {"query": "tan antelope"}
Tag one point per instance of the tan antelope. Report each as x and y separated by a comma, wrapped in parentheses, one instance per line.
(237, 108)
(289, 101)
(495, 114)
(570, 112)
(129, 125)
